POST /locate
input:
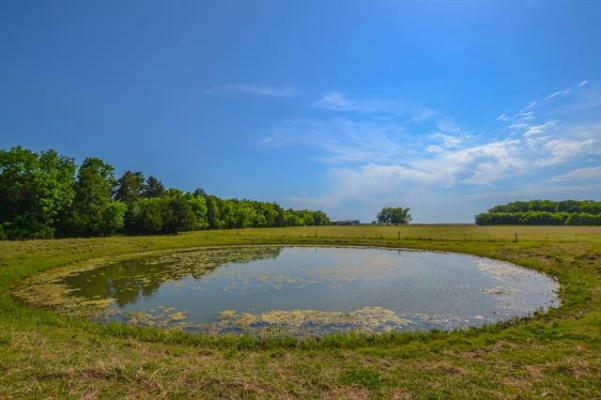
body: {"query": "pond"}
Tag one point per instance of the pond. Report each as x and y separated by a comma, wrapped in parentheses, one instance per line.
(310, 290)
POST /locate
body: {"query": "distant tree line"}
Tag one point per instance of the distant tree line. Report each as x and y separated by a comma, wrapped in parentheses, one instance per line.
(543, 212)
(45, 195)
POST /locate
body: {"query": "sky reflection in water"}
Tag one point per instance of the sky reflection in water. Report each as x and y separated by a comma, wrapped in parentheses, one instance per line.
(392, 289)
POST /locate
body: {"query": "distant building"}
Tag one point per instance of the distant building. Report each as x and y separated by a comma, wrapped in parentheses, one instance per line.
(346, 222)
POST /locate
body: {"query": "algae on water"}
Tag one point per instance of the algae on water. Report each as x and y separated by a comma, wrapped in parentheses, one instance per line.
(299, 291)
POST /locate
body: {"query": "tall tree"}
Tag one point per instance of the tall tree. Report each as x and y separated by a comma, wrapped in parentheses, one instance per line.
(93, 200)
(199, 207)
(130, 187)
(199, 192)
(153, 188)
(213, 214)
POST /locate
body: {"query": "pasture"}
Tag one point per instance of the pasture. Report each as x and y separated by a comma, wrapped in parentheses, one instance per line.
(47, 354)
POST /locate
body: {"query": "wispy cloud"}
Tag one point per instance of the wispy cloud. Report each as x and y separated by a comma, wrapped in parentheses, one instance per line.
(474, 169)
(253, 90)
(336, 101)
(448, 161)
(380, 151)
(538, 129)
(561, 150)
(377, 161)
(579, 174)
(504, 117)
(523, 118)
(562, 92)
(383, 107)
(341, 140)
(447, 141)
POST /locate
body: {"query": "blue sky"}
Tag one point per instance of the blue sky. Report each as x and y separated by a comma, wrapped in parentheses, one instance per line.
(446, 108)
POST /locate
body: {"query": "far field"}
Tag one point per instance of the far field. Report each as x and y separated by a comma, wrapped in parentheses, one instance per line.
(44, 354)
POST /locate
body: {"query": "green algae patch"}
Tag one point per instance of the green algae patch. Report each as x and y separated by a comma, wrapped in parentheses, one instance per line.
(298, 322)
(48, 290)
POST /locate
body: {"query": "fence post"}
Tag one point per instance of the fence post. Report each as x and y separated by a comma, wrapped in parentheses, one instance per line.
(516, 238)
(399, 235)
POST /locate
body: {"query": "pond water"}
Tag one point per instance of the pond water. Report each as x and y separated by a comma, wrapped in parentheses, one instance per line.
(312, 290)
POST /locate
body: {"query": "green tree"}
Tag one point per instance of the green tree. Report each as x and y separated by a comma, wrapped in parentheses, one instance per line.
(93, 196)
(199, 192)
(147, 216)
(199, 208)
(394, 216)
(177, 215)
(543, 212)
(113, 218)
(213, 214)
(243, 215)
(153, 188)
(35, 189)
(39, 196)
(129, 187)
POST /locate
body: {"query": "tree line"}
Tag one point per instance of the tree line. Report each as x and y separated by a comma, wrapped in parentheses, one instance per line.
(543, 212)
(45, 195)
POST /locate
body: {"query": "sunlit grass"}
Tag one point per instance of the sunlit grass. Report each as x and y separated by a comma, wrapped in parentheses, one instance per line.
(557, 355)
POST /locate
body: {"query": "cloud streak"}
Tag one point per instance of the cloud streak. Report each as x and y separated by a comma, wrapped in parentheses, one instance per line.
(579, 174)
(385, 108)
(255, 90)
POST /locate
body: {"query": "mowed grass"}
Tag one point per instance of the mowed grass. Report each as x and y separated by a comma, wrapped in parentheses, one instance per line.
(44, 354)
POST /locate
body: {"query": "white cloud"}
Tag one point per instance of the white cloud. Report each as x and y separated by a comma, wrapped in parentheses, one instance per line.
(518, 125)
(540, 128)
(382, 108)
(439, 169)
(375, 161)
(447, 125)
(434, 148)
(579, 174)
(583, 83)
(342, 140)
(254, 90)
(447, 141)
(504, 117)
(562, 92)
(485, 163)
(561, 150)
(378, 183)
(334, 101)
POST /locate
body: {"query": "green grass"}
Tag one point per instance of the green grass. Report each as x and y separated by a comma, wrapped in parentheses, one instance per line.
(44, 354)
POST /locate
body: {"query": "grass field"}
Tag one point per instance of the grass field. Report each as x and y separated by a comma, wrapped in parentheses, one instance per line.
(44, 354)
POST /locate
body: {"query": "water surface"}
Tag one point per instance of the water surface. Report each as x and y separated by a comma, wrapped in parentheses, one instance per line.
(313, 290)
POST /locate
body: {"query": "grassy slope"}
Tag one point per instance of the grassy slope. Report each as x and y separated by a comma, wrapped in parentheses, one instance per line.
(557, 355)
